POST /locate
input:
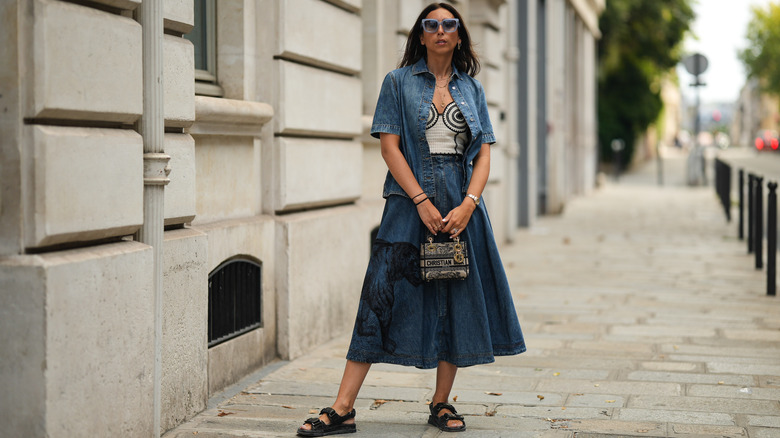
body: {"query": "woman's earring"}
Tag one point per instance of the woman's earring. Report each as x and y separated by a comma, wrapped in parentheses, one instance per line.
(458, 45)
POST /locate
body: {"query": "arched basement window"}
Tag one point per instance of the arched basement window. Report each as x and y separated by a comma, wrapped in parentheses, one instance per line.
(235, 299)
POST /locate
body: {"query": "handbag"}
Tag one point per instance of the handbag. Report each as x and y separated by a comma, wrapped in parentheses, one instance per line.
(444, 261)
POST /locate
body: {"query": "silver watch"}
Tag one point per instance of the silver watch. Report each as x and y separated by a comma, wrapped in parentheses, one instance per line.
(474, 198)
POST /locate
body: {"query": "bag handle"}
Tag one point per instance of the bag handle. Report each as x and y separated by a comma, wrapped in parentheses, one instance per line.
(429, 237)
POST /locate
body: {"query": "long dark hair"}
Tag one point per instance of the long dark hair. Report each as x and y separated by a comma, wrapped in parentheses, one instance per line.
(464, 58)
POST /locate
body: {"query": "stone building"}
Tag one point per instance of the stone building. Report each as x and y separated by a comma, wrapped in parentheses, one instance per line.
(188, 188)
(753, 111)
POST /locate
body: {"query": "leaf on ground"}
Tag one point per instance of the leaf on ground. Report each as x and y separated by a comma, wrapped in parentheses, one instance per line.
(494, 393)
(609, 401)
(287, 407)
(579, 393)
(455, 398)
(540, 397)
(596, 385)
(556, 374)
(223, 413)
(378, 403)
(721, 382)
(490, 413)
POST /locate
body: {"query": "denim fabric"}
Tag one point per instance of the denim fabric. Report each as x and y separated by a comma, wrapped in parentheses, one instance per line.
(402, 109)
(403, 320)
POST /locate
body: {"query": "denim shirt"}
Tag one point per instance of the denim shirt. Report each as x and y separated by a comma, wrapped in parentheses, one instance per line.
(402, 109)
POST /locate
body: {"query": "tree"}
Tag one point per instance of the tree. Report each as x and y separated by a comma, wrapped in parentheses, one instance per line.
(641, 42)
(762, 56)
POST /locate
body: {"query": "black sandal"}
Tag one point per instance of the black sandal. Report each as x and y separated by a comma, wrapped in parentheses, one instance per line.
(441, 421)
(336, 426)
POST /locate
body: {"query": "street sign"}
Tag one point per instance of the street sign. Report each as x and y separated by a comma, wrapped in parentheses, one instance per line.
(696, 64)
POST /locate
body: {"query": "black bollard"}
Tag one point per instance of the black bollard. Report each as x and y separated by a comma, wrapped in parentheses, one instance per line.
(758, 212)
(771, 240)
(725, 188)
(750, 203)
(741, 187)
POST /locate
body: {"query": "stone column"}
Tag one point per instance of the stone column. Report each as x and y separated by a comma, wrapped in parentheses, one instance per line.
(528, 109)
(556, 109)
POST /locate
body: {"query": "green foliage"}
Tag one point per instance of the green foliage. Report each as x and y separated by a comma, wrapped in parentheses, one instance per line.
(640, 44)
(762, 56)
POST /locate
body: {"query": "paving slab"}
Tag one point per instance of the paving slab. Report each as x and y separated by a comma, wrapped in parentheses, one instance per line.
(660, 376)
(734, 392)
(763, 421)
(705, 404)
(667, 416)
(762, 432)
(643, 316)
(689, 430)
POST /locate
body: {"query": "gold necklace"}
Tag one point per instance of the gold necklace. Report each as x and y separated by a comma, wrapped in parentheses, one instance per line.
(443, 100)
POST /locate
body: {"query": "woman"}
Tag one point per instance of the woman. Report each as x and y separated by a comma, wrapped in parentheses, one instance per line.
(435, 135)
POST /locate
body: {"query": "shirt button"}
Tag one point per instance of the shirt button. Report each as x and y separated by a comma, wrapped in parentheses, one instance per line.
(472, 119)
(463, 103)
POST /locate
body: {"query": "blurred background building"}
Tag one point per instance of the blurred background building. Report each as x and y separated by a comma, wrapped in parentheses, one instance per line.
(274, 186)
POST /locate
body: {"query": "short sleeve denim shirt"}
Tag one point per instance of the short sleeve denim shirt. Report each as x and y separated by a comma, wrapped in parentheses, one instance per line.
(402, 109)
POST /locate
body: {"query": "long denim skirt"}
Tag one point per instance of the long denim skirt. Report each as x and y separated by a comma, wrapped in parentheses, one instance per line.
(404, 320)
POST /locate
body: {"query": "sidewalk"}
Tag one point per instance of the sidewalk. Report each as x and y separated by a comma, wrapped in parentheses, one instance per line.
(643, 316)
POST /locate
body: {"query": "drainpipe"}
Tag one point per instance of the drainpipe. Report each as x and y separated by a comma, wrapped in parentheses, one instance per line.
(156, 170)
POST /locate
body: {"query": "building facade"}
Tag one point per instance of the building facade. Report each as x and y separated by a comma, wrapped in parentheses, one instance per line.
(753, 111)
(188, 189)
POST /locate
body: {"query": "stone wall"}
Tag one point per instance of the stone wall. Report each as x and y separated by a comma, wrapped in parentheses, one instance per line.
(77, 298)
(275, 165)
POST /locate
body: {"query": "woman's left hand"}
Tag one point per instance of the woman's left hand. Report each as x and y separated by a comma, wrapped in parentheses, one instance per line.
(458, 218)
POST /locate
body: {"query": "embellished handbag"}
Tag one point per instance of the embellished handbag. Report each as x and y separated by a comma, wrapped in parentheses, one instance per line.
(444, 261)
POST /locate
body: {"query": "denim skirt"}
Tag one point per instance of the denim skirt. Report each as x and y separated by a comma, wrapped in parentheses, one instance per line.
(404, 320)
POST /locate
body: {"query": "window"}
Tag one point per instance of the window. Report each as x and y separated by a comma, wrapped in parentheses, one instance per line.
(235, 299)
(204, 38)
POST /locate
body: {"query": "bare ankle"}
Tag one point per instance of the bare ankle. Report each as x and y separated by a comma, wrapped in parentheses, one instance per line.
(342, 408)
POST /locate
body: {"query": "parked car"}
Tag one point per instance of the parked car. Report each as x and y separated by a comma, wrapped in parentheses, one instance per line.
(766, 140)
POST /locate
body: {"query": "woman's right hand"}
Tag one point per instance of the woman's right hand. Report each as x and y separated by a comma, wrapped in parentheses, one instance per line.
(430, 216)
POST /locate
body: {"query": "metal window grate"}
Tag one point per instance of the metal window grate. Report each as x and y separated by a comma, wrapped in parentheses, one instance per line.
(235, 300)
